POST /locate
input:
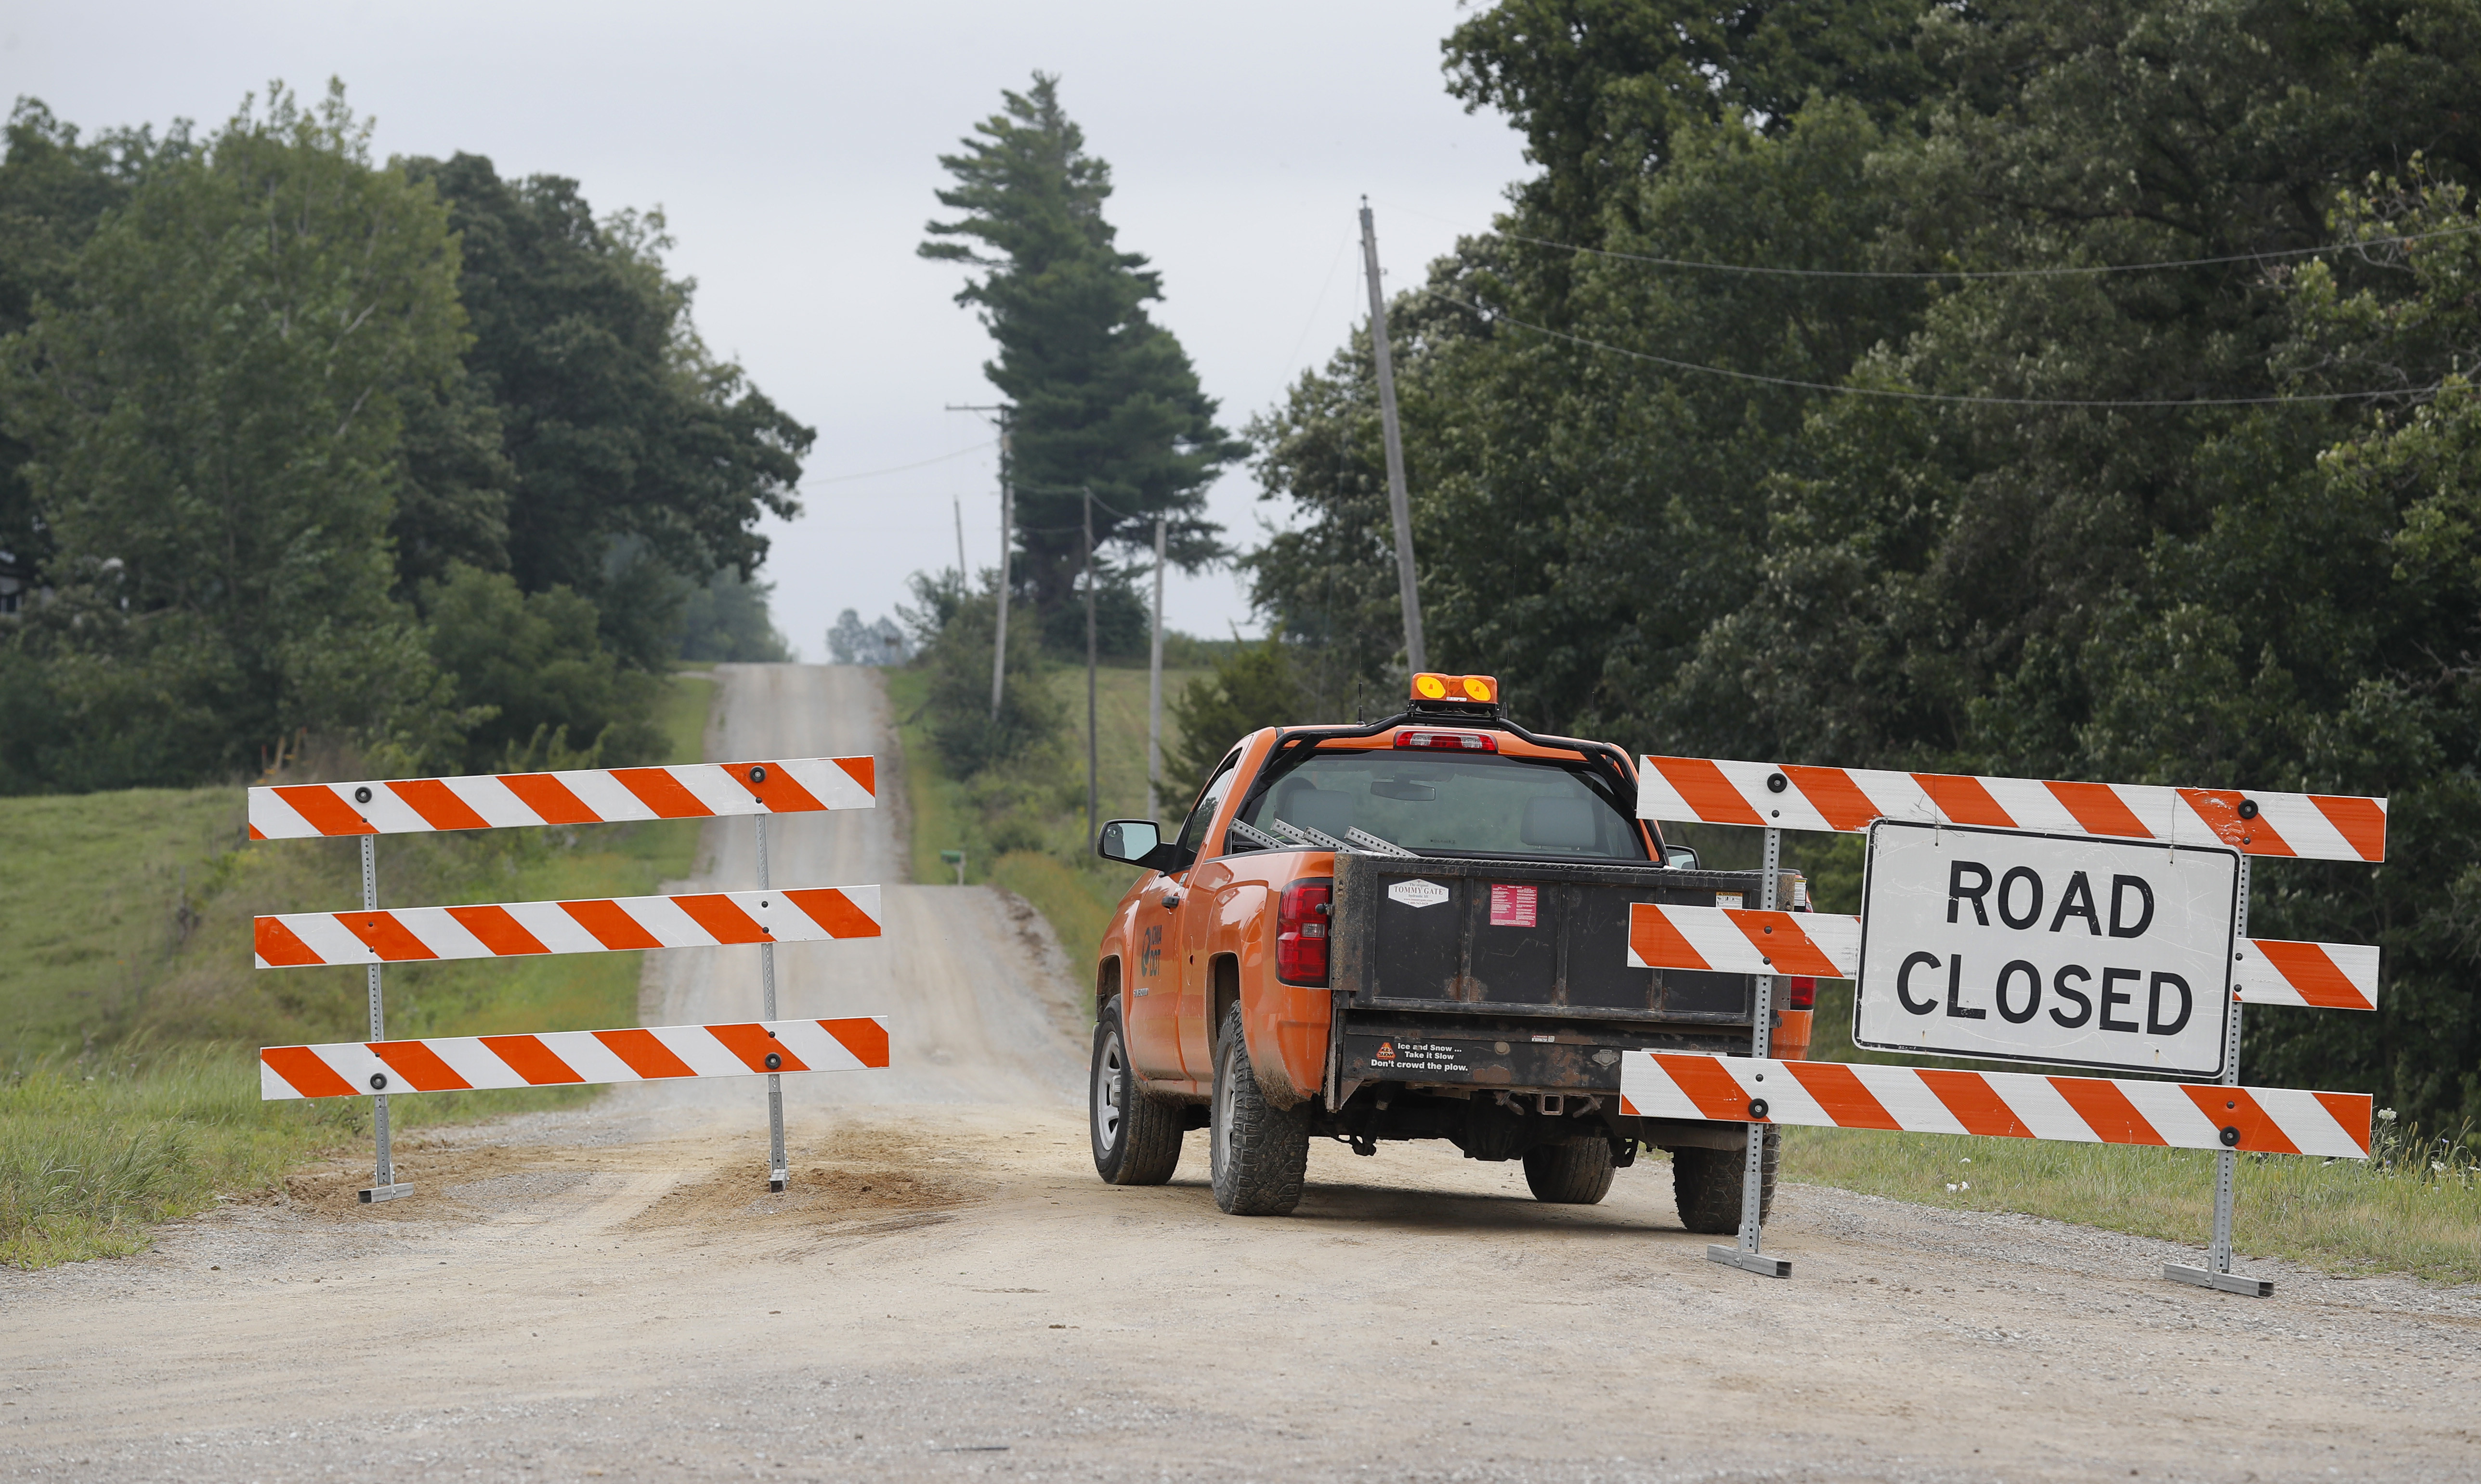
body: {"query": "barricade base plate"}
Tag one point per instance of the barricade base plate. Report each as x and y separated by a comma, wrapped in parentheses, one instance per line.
(373, 1194)
(1754, 1262)
(2229, 1283)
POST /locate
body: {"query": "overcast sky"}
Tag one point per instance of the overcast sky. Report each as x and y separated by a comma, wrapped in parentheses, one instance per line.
(793, 148)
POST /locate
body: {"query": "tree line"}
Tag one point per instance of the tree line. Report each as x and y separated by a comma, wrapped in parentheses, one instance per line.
(422, 460)
(2056, 391)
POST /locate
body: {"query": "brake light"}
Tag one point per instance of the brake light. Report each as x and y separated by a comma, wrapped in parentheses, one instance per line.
(1800, 994)
(1301, 916)
(1447, 741)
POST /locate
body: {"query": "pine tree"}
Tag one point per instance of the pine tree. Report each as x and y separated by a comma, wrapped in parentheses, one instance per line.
(1104, 398)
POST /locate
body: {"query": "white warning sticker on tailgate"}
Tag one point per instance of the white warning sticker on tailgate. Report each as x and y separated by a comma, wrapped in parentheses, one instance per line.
(1418, 893)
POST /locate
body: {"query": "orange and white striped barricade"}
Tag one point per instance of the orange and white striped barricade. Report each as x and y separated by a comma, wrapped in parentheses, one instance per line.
(598, 795)
(2242, 824)
(610, 795)
(1995, 1105)
(519, 929)
(569, 1058)
(1827, 946)
(1848, 800)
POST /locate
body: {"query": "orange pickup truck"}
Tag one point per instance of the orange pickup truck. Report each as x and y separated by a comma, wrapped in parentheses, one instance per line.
(1412, 929)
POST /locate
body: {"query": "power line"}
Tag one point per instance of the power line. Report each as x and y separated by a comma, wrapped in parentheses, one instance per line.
(846, 478)
(1500, 317)
(2057, 271)
(1990, 273)
(1310, 324)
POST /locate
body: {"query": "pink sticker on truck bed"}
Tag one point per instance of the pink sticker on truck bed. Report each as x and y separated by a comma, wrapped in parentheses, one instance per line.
(1513, 906)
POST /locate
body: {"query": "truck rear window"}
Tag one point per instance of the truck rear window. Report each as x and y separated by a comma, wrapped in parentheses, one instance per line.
(1489, 804)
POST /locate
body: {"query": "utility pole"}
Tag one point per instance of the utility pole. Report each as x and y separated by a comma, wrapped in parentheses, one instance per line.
(964, 577)
(1093, 751)
(1154, 688)
(1399, 505)
(1008, 535)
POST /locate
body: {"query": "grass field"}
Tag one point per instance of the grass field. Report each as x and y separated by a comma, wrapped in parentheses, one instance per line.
(128, 1083)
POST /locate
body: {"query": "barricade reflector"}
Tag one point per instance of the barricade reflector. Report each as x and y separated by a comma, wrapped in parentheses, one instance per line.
(1711, 791)
(1827, 946)
(348, 1069)
(1999, 1105)
(601, 925)
(686, 791)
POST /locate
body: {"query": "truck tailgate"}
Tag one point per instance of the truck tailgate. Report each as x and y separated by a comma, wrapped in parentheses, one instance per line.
(1533, 939)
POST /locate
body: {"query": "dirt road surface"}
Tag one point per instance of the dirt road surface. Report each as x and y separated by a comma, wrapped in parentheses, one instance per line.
(947, 1292)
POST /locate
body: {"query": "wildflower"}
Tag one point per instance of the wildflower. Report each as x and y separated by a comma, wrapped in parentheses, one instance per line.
(2385, 1115)
(1950, 1187)
(2440, 1165)
(1968, 1184)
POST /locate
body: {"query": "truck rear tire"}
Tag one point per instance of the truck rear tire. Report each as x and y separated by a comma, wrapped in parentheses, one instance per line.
(1136, 1137)
(1260, 1152)
(1705, 1186)
(1570, 1174)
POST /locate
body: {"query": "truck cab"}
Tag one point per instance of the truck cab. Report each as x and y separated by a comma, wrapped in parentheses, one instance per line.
(1415, 930)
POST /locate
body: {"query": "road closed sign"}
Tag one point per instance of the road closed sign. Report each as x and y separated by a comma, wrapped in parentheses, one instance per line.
(2072, 951)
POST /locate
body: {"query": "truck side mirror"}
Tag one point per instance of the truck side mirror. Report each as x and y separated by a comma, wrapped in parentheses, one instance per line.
(1133, 842)
(1680, 857)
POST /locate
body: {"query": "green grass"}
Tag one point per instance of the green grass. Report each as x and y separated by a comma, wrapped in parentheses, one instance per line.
(128, 1089)
(100, 891)
(94, 1153)
(1024, 827)
(2350, 1216)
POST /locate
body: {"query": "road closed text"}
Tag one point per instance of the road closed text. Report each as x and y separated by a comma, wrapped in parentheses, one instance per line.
(2072, 951)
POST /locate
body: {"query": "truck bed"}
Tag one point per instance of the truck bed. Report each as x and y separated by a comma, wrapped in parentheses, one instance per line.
(1531, 988)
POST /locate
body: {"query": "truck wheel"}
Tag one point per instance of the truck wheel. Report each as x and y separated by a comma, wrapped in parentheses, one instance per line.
(1570, 1174)
(1136, 1139)
(1260, 1152)
(1705, 1186)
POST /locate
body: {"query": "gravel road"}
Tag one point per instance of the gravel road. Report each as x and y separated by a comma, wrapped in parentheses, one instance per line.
(947, 1292)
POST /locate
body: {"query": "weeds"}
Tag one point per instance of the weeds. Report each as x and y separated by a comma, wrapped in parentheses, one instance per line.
(92, 1157)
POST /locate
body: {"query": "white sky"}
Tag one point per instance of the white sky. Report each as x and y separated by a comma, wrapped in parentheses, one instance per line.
(794, 149)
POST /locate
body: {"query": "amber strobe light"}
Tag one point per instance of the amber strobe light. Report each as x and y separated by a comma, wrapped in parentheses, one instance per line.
(1483, 688)
(1300, 932)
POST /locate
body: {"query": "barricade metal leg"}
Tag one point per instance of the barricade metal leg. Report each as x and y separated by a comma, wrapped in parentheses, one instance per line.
(1753, 1175)
(384, 1185)
(2217, 1273)
(776, 1168)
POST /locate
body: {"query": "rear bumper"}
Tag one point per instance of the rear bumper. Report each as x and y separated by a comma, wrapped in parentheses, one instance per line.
(1510, 1053)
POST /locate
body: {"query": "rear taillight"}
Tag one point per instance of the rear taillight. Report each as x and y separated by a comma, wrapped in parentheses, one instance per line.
(1800, 994)
(1300, 932)
(1447, 741)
